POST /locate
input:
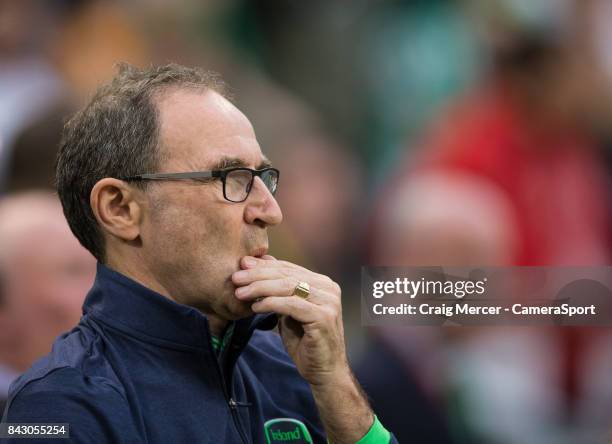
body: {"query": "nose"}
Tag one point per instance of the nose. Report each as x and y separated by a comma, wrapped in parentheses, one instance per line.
(261, 207)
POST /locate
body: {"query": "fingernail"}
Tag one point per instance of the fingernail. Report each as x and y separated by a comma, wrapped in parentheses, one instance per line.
(250, 262)
(241, 291)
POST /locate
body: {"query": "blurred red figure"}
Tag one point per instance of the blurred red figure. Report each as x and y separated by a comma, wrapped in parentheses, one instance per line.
(523, 133)
(44, 274)
(527, 133)
(508, 176)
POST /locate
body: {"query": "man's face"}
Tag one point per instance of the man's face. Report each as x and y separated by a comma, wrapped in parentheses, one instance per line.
(192, 238)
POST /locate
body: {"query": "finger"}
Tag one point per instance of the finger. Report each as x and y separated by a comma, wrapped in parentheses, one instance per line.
(248, 262)
(281, 287)
(245, 277)
(294, 306)
(251, 261)
(265, 288)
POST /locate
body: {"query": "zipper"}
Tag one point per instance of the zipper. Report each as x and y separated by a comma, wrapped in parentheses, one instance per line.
(239, 403)
(232, 404)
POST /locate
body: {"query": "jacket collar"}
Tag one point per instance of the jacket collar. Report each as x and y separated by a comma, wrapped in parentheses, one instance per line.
(136, 310)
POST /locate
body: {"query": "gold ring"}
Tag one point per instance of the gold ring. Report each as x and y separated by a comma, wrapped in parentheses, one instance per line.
(302, 289)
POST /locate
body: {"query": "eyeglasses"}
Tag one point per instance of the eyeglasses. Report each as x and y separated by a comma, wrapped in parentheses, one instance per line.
(237, 182)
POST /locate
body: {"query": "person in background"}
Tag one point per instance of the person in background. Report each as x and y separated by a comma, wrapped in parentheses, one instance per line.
(508, 176)
(43, 275)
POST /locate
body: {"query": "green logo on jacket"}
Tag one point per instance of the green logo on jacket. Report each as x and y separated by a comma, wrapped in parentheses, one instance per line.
(286, 431)
(286, 436)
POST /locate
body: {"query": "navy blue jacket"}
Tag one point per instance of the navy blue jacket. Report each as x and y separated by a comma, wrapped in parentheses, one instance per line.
(140, 368)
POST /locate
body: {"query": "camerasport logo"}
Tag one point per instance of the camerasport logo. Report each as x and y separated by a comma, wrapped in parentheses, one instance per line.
(445, 296)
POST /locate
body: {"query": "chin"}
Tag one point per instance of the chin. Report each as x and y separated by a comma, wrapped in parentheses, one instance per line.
(233, 308)
(238, 312)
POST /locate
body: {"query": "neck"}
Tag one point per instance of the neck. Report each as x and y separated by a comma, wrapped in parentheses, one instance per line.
(216, 325)
(137, 274)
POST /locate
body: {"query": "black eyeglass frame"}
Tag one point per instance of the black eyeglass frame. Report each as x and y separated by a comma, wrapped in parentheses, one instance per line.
(213, 174)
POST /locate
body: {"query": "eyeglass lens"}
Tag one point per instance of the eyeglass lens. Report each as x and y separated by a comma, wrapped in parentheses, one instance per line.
(238, 183)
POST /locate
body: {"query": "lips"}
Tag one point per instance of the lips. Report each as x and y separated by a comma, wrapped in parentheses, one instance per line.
(258, 252)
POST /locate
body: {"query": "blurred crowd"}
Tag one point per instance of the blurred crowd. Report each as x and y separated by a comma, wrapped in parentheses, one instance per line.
(408, 132)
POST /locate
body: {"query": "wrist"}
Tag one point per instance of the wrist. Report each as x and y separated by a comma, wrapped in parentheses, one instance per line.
(341, 376)
(376, 435)
(344, 408)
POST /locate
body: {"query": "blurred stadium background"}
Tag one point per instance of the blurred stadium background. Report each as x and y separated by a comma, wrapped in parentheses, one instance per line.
(414, 132)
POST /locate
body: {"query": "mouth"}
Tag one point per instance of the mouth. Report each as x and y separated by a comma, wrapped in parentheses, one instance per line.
(258, 252)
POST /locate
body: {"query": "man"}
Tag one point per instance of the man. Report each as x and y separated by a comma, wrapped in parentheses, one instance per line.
(163, 181)
(44, 274)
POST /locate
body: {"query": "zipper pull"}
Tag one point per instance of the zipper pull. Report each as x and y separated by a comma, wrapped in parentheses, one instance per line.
(234, 404)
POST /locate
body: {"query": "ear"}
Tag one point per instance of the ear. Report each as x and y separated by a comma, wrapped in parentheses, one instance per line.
(117, 209)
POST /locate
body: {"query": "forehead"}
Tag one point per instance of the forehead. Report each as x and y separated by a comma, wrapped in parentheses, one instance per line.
(199, 128)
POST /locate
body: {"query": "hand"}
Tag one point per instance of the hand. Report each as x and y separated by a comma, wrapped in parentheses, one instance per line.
(311, 328)
(313, 334)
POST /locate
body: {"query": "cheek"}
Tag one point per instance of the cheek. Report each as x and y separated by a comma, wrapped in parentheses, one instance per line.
(194, 228)
(170, 237)
(219, 248)
(197, 234)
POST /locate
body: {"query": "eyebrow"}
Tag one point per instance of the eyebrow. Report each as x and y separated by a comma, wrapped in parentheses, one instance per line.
(233, 162)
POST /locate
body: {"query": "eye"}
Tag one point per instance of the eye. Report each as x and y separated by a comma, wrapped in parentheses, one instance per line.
(238, 184)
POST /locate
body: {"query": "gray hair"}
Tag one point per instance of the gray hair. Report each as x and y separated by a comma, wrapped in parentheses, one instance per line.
(117, 135)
